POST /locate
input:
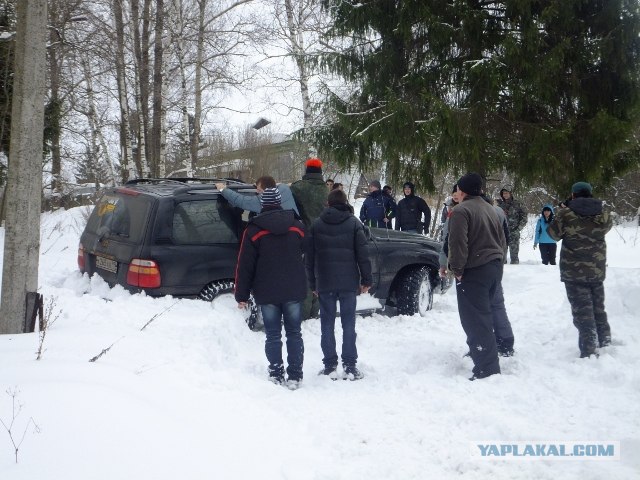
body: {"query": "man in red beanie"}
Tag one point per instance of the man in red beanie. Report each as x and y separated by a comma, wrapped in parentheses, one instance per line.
(476, 252)
(310, 195)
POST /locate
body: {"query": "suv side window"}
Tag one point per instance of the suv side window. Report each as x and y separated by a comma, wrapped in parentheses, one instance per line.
(202, 222)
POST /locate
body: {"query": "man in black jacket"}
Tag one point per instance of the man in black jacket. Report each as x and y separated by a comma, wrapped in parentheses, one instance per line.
(476, 253)
(338, 268)
(270, 264)
(410, 210)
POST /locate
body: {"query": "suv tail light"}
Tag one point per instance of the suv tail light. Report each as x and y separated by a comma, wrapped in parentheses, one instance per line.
(143, 273)
(81, 258)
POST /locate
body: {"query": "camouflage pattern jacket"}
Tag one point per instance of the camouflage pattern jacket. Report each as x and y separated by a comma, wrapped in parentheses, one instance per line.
(582, 227)
(310, 195)
(516, 214)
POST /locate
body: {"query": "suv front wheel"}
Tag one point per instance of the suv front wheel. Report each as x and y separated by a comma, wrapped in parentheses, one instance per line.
(225, 287)
(415, 292)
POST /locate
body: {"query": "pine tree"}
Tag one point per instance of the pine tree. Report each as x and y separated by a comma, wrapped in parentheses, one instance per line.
(538, 88)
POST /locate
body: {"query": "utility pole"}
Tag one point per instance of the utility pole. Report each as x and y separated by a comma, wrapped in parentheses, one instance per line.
(24, 182)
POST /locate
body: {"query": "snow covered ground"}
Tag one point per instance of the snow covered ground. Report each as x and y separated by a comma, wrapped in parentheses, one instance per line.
(187, 397)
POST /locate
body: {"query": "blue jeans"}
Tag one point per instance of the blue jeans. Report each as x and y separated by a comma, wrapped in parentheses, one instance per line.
(328, 302)
(272, 317)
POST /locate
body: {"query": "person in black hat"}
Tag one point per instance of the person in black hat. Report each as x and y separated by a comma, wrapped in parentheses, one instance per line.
(476, 252)
(270, 264)
(410, 211)
(377, 209)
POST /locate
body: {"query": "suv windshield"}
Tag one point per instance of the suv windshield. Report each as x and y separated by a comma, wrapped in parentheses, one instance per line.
(119, 216)
(203, 222)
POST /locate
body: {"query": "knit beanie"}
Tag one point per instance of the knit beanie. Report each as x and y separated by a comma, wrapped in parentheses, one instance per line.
(314, 165)
(270, 197)
(582, 187)
(471, 184)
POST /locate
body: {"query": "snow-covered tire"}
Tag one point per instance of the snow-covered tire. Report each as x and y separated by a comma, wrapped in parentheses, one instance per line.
(415, 292)
(225, 287)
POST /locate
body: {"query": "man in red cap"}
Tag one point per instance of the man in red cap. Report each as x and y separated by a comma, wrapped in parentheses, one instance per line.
(310, 195)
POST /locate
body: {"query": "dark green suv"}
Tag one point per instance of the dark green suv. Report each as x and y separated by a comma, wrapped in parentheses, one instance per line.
(165, 236)
(180, 237)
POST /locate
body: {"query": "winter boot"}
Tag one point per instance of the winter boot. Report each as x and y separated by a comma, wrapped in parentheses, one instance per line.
(293, 383)
(352, 373)
(605, 342)
(276, 374)
(329, 371)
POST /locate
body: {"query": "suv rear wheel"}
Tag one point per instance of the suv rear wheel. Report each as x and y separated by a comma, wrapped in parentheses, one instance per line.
(415, 292)
(225, 287)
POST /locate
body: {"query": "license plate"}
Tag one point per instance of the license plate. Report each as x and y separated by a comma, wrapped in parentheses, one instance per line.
(106, 264)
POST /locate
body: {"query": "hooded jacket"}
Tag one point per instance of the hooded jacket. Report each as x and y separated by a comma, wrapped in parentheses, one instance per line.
(541, 235)
(337, 258)
(515, 212)
(270, 259)
(310, 195)
(375, 208)
(582, 227)
(409, 212)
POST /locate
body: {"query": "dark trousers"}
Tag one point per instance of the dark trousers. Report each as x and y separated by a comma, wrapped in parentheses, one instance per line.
(501, 324)
(475, 292)
(589, 316)
(548, 253)
(272, 316)
(328, 301)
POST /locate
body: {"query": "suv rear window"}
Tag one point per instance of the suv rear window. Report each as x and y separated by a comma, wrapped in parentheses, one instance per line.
(203, 222)
(119, 216)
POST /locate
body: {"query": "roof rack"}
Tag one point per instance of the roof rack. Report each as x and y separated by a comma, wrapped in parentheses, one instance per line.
(183, 180)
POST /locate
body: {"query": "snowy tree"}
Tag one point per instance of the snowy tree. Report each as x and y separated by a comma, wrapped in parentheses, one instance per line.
(22, 227)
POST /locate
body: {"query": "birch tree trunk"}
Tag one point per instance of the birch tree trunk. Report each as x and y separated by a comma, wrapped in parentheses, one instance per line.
(296, 40)
(158, 62)
(126, 154)
(141, 84)
(197, 114)
(184, 94)
(98, 142)
(24, 183)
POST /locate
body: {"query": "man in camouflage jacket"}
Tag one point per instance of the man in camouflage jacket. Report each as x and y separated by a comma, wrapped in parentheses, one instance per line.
(310, 195)
(517, 218)
(582, 226)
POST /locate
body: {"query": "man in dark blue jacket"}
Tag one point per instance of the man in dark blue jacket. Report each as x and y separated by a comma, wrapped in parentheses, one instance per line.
(270, 264)
(378, 209)
(338, 268)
